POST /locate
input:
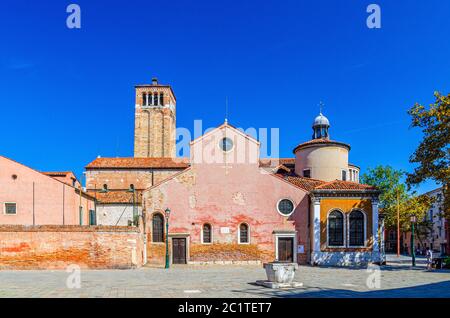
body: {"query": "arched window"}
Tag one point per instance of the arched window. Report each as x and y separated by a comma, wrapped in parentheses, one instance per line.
(335, 229)
(207, 237)
(144, 99)
(105, 188)
(158, 228)
(155, 99)
(356, 229)
(161, 99)
(243, 234)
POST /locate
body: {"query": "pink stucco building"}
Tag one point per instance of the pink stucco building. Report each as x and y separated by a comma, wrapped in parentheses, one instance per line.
(30, 197)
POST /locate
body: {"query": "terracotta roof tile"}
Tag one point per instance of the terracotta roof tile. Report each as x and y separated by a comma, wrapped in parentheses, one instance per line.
(57, 173)
(309, 184)
(275, 162)
(139, 163)
(116, 196)
(306, 184)
(344, 185)
(321, 141)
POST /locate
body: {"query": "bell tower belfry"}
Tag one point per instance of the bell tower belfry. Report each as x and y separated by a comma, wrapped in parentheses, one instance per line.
(155, 114)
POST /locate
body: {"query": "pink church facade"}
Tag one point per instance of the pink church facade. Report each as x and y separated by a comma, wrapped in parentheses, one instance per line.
(223, 197)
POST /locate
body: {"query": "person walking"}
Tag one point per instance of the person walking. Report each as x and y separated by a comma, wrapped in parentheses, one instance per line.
(429, 258)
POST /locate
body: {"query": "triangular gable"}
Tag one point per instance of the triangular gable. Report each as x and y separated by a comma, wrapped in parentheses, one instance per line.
(224, 125)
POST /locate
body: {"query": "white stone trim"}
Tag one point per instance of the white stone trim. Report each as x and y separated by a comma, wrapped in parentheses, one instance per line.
(344, 229)
(219, 144)
(239, 233)
(342, 258)
(375, 234)
(201, 234)
(365, 229)
(316, 225)
(293, 209)
(294, 245)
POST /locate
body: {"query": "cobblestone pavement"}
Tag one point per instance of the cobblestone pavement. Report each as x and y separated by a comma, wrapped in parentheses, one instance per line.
(397, 280)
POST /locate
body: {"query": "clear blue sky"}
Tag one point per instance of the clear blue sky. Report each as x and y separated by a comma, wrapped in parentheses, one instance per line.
(67, 96)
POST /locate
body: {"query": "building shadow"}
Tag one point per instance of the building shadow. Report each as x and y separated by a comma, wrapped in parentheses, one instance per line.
(434, 290)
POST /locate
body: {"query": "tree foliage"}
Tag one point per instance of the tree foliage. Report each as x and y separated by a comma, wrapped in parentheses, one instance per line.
(394, 195)
(433, 153)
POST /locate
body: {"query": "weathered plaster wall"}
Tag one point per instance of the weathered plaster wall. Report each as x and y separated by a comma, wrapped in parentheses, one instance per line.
(56, 247)
(116, 214)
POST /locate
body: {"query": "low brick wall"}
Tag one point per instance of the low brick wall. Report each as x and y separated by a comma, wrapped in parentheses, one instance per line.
(217, 253)
(56, 247)
(228, 252)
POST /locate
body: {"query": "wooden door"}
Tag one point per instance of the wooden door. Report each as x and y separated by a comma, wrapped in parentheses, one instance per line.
(179, 250)
(286, 249)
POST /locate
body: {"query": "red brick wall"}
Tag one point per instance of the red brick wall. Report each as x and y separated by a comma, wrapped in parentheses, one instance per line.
(56, 247)
(121, 179)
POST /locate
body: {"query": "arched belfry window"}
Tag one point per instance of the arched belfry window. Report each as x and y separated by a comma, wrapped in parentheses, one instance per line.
(144, 99)
(336, 228)
(155, 99)
(207, 233)
(158, 228)
(356, 229)
(244, 236)
(161, 99)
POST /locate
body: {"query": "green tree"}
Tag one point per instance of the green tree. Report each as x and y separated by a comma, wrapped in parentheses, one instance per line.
(433, 153)
(394, 195)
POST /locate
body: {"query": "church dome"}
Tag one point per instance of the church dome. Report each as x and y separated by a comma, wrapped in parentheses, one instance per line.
(321, 120)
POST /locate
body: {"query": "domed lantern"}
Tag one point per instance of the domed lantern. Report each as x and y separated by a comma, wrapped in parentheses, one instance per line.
(320, 127)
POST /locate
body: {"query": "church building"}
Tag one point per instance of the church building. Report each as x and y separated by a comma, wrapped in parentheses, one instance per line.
(224, 204)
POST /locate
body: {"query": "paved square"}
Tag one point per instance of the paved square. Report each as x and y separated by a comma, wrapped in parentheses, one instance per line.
(398, 280)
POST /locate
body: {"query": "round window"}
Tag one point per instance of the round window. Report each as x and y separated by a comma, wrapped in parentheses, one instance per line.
(285, 206)
(226, 144)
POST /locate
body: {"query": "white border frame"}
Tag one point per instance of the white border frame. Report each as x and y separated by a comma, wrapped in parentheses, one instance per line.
(344, 228)
(293, 204)
(348, 229)
(201, 234)
(239, 233)
(4, 208)
(185, 236)
(294, 245)
(219, 144)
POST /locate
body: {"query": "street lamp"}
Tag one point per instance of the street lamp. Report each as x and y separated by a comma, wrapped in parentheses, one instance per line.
(413, 253)
(135, 216)
(167, 214)
(382, 242)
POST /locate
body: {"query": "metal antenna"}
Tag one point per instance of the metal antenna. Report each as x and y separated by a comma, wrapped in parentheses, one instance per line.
(226, 109)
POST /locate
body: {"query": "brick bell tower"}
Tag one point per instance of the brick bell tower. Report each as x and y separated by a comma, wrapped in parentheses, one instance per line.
(154, 128)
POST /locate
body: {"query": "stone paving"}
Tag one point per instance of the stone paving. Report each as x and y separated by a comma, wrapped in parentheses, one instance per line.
(397, 280)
